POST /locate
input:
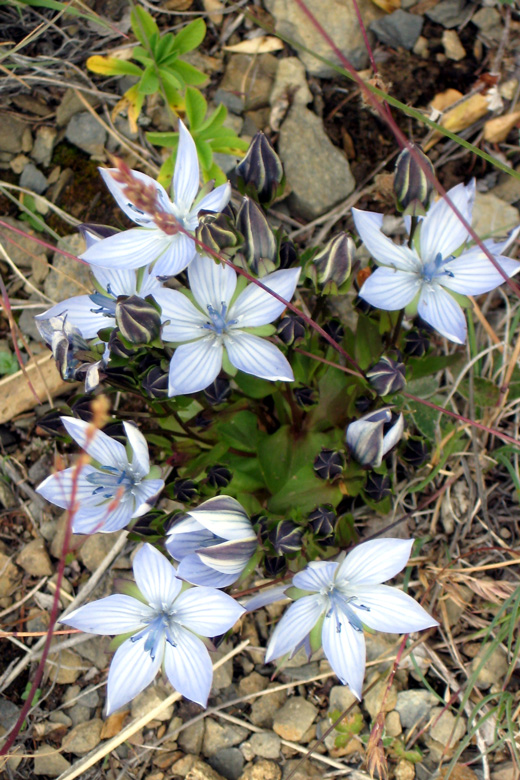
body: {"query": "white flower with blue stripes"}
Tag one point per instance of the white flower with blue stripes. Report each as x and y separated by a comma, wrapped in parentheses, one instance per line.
(339, 599)
(105, 495)
(424, 275)
(166, 620)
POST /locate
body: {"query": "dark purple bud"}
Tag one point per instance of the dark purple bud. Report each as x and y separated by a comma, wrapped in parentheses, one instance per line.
(138, 320)
(286, 538)
(323, 520)
(50, 423)
(259, 248)
(329, 464)
(387, 376)
(412, 187)
(334, 263)
(291, 329)
(363, 404)
(416, 343)
(217, 232)
(260, 173)
(82, 408)
(305, 397)
(116, 346)
(261, 525)
(416, 452)
(274, 567)
(219, 476)
(185, 490)
(218, 391)
(288, 255)
(335, 330)
(377, 486)
(93, 233)
(155, 383)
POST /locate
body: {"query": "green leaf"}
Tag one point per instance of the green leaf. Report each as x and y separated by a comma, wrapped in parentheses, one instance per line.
(254, 387)
(190, 73)
(247, 477)
(190, 37)
(485, 392)
(169, 79)
(8, 363)
(305, 491)
(113, 66)
(430, 364)
(241, 431)
(170, 140)
(367, 345)
(196, 108)
(204, 152)
(216, 119)
(143, 25)
(149, 83)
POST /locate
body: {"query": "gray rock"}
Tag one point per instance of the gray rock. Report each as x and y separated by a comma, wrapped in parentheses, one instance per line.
(262, 770)
(449, 13)
(223, 676)
(65, 666)
(493, 217)
(85, 132)
(377, 697)
(11, 575)
(341, 698)
(57, 716)
(266, 744)
(295, 717)
(191, 738)
(71, 105)
(83, 738)
(253, 683)
(27, 324)
(316, 170)
(290, 81)
(414, 706)
(96, 651)
(68, 277)
(33, 179)
(399, 28)
(444, 729)
(21, 254)
(233, 102)
(453, 48)
(44, 145)
(264, 709)
(49, 762)
(494, 668)
(95, 548)
(90, 698)
(486, 18)
(18, 163)
(151, 697)
(219, 736)
(34, 559)
(15, 136)
(78, 714)
(228, 762)
(9, 713)
(339, 20)
(508, 187)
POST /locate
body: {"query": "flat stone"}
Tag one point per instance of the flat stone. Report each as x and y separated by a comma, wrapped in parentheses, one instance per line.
(69, 277)
(316, 170)
(95, 548)
(9, 714)
(78, 714)
(295, 717)
(239, 91)
(492, 216)
(16, 135)
(71, 104)
(228, 762)
(191, 738)
(290, 82)
(494, 668)
(508, 187)
(223, 676)
(18, 163)
(444, 729)
(44, 145)
(253, 683)
(83, 738)
(21, 254)
(33, 179)
(296, 771)
(339, 20)
(27, 324)
(373, 700)
(65, 666)
(262, 770)
(219, 736)
(341, 698)
(414, 706)
(10, 575)
(199, 770)
(266, 744)
(393, 724)
(151, 697)
(85, 132)
(399, 28)
(449, 13)
(486, 18)
(264, 709)
(404, 770)
(34, 559)
(49, 762)
(453, 48)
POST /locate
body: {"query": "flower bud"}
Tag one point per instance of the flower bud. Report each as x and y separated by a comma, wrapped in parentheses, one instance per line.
(274, 566)
(185, 490)
(116, 346)
(387, 376)
(219, 476)
(367, 440)
(260, 173)
(218, 391)
(412, 187)
(305, 396)
(377, 486)
(333, 264)
(138, 320)
(329, 464)
(335, 330)
(363, 403)
(288, 255)
(50, 423)
(291, 329)
(259, 247)
(216, 232)
(416, 452)
(155, 383)
(286, 538)
(416, 343)
(323, 520)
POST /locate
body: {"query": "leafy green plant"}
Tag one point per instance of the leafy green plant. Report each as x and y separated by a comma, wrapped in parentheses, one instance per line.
(8, 363)
(349, 727)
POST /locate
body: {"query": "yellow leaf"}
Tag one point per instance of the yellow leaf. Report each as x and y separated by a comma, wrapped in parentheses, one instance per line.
(214, 9)
(260, 45)
(388, 5)
(460, 116)
(132, 103)
(103, 65)
(496, 130)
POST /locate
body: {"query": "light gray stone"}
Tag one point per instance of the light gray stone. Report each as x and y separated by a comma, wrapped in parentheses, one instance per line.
(399, 28)
(49, 762)
(492, 216)
(21, 254)
(228, 762)
(494, 668)
(379, 697)
(446, 728)
(262, 770)
(95, 548)
(27, 324)
(71, 105)
(34, 559)
(78, 714)
(414, 706)
(266, 744)
(341, 698)
(219, 736)
(191, 738)
(290, 82)
(508, 187)
(264, 709)
(44, 145)
(449, 13)
(16, 135)
(69, 277)
(338, 18)
(294, 718)
(33, 179)
(83, 738)
(151, 697)
(316, 170)
(85, 132)
(486, 18)
(9, 713)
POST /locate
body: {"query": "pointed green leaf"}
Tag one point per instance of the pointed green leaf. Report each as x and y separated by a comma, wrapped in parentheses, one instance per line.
(190, 36)
(196, 108)
(143, 25)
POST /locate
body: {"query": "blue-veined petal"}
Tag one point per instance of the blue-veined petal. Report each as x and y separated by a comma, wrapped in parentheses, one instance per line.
(257, 356)
(207, 611)
(389, 609)
(442, 232)
(216, 200)
(185, 537)
(316, 575)
(129, 249)
(193, 570)
(143, 492)
(58, 487)
(186, 173)
(149, 284)
(177, 256)
(473, 273)
(117, 614)
(81, 312)
(117, 192)
(194, 366)
(374, 561)
(104, 449)
(211, 284)
(115, 281)
(440, 310)
(296, 623)
(225, 517)
(131, 670)
(368, 225)
(394, 435)
(188, 667)
(186, 322)
(155, 577)
(105, 518)
(344, 647)
(140, 457)
(255, 306)
(228, 557)
(265, 597)
(389, 289)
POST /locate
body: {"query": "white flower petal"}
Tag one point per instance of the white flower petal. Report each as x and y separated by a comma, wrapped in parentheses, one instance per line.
(80, 311)
(117, 614)
(344, 648)
(389, 609)
(265, 597)
(193, 570)
(117, 192)
(143, 493)
(129, 249)
(228, 557)
(188, 667)
(256, 356)
(442, 232)
(295, 625)
(186, 173)
(58, 487)
(116, 281)
(473, 273)
(216, 200)
(225, 517)
(104, 449)
(185, 321)
(316, 575)
(194, 366)
(178, 255)
(374, 561)
(105, 518)
(155, 577)
(207, 611)
(383, 250)
(149, 285)
(185, 537)
(440, 310)
(394, 435)
(140, 458)
(211, 284)
(131, 671)
(255, 306)
(389, 289)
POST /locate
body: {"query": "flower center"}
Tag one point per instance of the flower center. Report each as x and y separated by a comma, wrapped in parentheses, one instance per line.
(160, 626)
(106, 303)
(108, 481)
(219, 324)
(342, 606)
(434, 268)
